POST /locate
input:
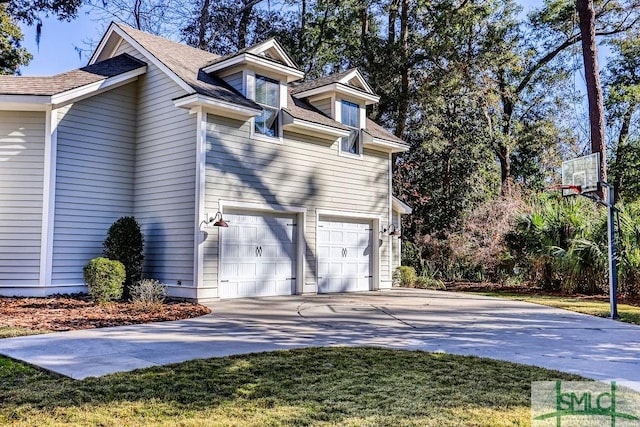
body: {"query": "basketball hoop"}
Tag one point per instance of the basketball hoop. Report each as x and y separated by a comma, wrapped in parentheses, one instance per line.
(567, 189)
(581, 176)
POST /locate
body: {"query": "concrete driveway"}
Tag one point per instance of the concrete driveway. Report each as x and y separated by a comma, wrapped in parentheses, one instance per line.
(400, 318)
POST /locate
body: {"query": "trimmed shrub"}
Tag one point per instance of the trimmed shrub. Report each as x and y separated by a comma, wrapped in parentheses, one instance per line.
(404, 276)
(148, 293)
(104, 279)
(125, 243)
(425, 282)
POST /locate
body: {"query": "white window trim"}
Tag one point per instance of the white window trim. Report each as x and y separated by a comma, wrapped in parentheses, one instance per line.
(250, 85)
(338, 112)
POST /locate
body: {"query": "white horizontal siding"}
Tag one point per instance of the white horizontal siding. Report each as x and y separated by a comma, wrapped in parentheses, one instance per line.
(165, 176)
(324, 105)
(94, 178)
(301, 172)
(22, 136)
(235, 81)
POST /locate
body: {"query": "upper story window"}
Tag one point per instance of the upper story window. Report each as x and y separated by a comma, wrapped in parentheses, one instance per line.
(350, 116)
(268, 96)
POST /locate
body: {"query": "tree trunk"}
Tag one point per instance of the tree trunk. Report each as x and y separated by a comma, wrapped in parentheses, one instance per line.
(202, 25)
(245, 16)
(586, 16)
(403, 106)
(303, 25)
(391, 28)
(502, 144)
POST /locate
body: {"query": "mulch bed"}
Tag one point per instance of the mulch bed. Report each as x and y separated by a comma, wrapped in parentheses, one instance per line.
(71, 312)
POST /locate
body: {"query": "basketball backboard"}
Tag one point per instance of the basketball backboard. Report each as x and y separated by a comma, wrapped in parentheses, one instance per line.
(583, 172)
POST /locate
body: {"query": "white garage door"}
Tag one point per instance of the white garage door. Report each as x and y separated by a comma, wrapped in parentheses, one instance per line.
(344, 256)
(258, 256)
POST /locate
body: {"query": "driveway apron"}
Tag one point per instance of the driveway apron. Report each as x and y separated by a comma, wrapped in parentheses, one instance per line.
(400, 318)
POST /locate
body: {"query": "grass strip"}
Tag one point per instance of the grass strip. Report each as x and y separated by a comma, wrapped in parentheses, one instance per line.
(628, 313)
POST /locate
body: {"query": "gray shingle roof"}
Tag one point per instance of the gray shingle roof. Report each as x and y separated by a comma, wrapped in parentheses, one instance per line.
(377, 131)
(47, 86)
(186, 62)
(301, 109)
(322, 81)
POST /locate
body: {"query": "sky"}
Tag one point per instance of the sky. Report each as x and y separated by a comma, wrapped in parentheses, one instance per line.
(57, 51)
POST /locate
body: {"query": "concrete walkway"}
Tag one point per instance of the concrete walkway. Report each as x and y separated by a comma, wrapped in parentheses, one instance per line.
(404, 319)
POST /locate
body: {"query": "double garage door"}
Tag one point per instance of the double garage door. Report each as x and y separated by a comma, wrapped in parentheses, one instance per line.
(258, 255)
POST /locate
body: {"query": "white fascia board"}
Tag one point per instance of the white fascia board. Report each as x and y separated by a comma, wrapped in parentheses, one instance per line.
(392, 147)
(102, 85)
(311, 128)
(400, 207)
(292, 73)
(216, 106)
(369, 98)
(24, 102)
(341, 88)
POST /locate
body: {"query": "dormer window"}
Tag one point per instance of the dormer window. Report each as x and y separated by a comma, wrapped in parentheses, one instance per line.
(350, 116)
(268, 97)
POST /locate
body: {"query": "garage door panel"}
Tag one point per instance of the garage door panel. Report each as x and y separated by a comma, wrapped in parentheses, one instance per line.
(258, 256)
(344, 262)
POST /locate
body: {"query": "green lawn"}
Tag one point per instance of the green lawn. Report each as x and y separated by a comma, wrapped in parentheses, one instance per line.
(627, 313)
(319, 386)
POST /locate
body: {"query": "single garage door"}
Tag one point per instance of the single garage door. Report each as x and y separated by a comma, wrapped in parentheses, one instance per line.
(344, 255)
(258, 256)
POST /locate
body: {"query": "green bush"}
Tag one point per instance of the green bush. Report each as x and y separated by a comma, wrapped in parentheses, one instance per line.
(104, 279)
(125, 243)
(148, 293)
(404, 276)
(426, 282)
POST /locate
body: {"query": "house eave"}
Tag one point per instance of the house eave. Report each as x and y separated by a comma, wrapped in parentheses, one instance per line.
(400, 207)
(99, 86)
(24, 102)
(384, 145)
(342, 89)
(291, 73)
(307, 127)
(40, 102)
(216, 106)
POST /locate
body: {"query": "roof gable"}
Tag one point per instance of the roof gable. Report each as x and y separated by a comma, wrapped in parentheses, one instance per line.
(273, 50)
(349, 82)
(268, 55)
(355, 79)
(182, 63)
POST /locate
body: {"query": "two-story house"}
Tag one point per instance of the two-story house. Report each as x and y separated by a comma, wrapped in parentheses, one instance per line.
(187, 142)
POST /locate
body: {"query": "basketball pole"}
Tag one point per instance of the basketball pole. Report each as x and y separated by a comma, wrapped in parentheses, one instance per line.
(611, 234)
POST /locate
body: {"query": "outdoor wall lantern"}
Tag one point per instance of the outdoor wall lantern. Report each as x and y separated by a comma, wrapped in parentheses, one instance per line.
(217, 220)
(392, 230)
